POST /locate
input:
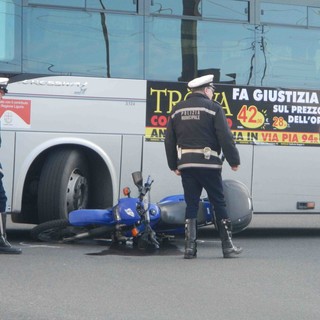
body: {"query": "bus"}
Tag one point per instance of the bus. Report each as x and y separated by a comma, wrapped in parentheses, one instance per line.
(92, 84)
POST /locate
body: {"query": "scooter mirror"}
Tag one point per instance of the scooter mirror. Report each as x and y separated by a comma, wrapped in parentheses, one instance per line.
(137, 178)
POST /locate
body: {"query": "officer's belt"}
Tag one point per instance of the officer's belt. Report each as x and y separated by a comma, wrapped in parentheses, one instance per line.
(206, 151)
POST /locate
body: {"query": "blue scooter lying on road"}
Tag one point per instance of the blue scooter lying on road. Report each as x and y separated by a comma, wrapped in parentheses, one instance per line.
(145, 223)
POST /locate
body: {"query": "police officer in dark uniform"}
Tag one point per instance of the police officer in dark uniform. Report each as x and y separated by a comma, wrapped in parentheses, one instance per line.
(196, 134)
(5, 246)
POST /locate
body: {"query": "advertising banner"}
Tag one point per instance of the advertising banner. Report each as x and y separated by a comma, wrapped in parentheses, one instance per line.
(254, 114)
(15, 114)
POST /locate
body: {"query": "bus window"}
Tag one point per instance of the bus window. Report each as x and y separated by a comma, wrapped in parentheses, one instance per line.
(93, 44)
(69, 3)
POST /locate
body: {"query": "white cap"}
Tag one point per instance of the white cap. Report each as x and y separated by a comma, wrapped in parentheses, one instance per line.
(202, 82)
(3, 84)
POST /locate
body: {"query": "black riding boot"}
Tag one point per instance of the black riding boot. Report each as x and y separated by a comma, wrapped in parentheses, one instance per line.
(5, 246)
(190, 239)
(228, 248)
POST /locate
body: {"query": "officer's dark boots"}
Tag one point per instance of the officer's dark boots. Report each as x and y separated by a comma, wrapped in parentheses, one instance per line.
(5, 246)
(190, 239)
(228, 248)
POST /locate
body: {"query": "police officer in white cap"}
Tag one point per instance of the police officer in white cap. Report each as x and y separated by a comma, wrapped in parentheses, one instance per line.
(5, 246)
(196, 134)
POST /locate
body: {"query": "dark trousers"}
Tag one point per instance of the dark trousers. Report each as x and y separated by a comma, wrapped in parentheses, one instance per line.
(3, 197)
(194, 180)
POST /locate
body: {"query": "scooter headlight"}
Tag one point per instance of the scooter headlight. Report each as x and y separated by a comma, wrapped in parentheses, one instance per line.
(153, 211)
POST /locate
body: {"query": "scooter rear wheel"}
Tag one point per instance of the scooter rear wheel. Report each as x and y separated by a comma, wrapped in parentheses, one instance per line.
(54, 231)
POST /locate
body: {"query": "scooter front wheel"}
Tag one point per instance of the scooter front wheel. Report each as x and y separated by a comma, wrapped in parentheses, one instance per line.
(54, 231)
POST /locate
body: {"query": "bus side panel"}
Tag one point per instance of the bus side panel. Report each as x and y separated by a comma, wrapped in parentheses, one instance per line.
(111, 106)
(155, 163)
(131, 161)
(7, 161)
(283, 176)
(244, 173)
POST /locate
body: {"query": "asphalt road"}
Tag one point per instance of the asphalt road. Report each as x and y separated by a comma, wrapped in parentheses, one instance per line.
(277, 277)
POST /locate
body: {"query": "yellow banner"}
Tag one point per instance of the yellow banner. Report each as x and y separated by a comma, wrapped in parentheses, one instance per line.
(155, 134)
(242, 136)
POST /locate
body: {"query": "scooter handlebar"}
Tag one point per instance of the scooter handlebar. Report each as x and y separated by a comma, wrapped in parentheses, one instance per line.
(146, 188)
(149, 182)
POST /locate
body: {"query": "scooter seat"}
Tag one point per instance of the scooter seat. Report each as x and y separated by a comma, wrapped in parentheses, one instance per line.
(173, 213)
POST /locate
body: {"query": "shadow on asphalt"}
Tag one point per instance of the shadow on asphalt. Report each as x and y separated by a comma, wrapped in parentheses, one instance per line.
(166, 249)
(19, 235)
(268, 232)
(105, 247)
(279, 233)
(23, 235)
(209, 232)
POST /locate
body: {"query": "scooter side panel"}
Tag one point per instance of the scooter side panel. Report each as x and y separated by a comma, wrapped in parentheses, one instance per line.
(127, 211)
(173, 211)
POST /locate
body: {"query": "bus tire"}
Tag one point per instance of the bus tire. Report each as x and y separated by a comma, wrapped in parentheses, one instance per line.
(63, 184)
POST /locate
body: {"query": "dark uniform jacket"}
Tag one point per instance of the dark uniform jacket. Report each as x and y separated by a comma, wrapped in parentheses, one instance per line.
(195, 124)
